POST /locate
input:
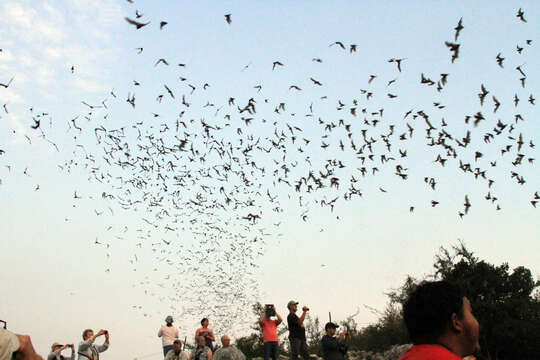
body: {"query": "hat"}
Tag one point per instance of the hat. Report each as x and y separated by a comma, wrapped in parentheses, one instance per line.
(169, 319)
(330, 325)
(291, 303)
(55, 345)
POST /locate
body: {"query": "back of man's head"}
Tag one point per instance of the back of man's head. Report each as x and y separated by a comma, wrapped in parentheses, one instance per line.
(428, 310)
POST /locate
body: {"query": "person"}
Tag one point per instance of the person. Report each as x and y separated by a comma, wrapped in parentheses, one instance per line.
(334, 348)
(87, 350)
(297, 332)
(56, 351)
(207, 333)
(201, 351)
(168, 333)
(16, 346)
(269, 330)
(228, 352)
(440, 323)
(176, 353)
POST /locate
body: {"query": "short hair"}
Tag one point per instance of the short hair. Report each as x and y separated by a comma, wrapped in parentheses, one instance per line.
(177, 341)
(203, 320)
(428, 310)
(85, 332)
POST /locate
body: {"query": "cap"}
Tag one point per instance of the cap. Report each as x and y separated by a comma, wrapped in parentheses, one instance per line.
(169, 319)
(330, 325)
(55, 345)
(291, 303)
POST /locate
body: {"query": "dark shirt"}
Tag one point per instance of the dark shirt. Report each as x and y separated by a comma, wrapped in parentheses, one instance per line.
(332, 349)
(295, 330)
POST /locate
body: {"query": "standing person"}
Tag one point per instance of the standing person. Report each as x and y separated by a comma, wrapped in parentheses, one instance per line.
(297, 332)
(440, 323)
(168, 333)
(87, 350)
(176, 353)
(228, 352)
(207, 333)
(56, 351)
(201, 351)
(269, 330)
(334, 348)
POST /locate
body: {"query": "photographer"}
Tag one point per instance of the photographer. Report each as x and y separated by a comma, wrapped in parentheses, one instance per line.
(87, 350)
(334, 348)
(269, 330)
(56, 351)
(207, 333)
(297, 332)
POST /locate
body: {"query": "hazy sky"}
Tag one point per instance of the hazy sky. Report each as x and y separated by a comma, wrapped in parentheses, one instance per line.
(53, 277)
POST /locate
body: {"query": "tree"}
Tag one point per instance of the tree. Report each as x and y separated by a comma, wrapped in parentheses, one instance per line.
(504, 302)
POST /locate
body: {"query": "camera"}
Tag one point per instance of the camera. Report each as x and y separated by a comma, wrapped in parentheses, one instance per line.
(269, 310)
(106, 332)
(305, 308)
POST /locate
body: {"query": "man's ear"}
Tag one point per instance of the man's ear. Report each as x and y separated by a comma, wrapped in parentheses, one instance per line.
(456, 324)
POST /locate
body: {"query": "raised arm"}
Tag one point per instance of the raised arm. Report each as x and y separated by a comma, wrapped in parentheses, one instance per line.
(103, 347)
(302, 317)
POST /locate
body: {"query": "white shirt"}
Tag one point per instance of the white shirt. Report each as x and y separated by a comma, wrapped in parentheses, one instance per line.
(9, 343)
(168, 334)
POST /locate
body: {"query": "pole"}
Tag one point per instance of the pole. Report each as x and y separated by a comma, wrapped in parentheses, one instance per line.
(329, 316)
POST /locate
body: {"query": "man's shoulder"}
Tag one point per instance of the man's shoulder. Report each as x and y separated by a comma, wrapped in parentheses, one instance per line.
(292, 316)
(428, 351)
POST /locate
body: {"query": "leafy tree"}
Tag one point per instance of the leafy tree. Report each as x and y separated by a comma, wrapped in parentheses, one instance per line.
(503, 301)
(506, 304)
(314, 334)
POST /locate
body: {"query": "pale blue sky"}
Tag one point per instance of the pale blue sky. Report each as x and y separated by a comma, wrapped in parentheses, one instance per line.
(53, 277)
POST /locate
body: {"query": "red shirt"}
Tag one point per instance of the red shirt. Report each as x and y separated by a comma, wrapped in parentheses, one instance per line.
(429, 352)
(269, 329)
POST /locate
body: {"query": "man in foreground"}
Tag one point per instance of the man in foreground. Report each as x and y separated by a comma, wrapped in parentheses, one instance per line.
(56, 351)
(15, 346)
(297, 331)
(176, 352)
(228, 352)
(334, 348)
(87, 350)
(440, 323)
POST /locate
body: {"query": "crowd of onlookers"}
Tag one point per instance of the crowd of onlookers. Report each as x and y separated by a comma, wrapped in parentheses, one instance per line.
(437, 315)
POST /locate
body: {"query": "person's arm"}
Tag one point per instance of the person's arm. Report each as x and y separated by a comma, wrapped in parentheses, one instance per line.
(301, 319)
(197, 335)
(190, 357)
(211, 337)
(26, 349)
(160, 332)
(72, 351)
(209, 354)
(105, 345)
(279, 318)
